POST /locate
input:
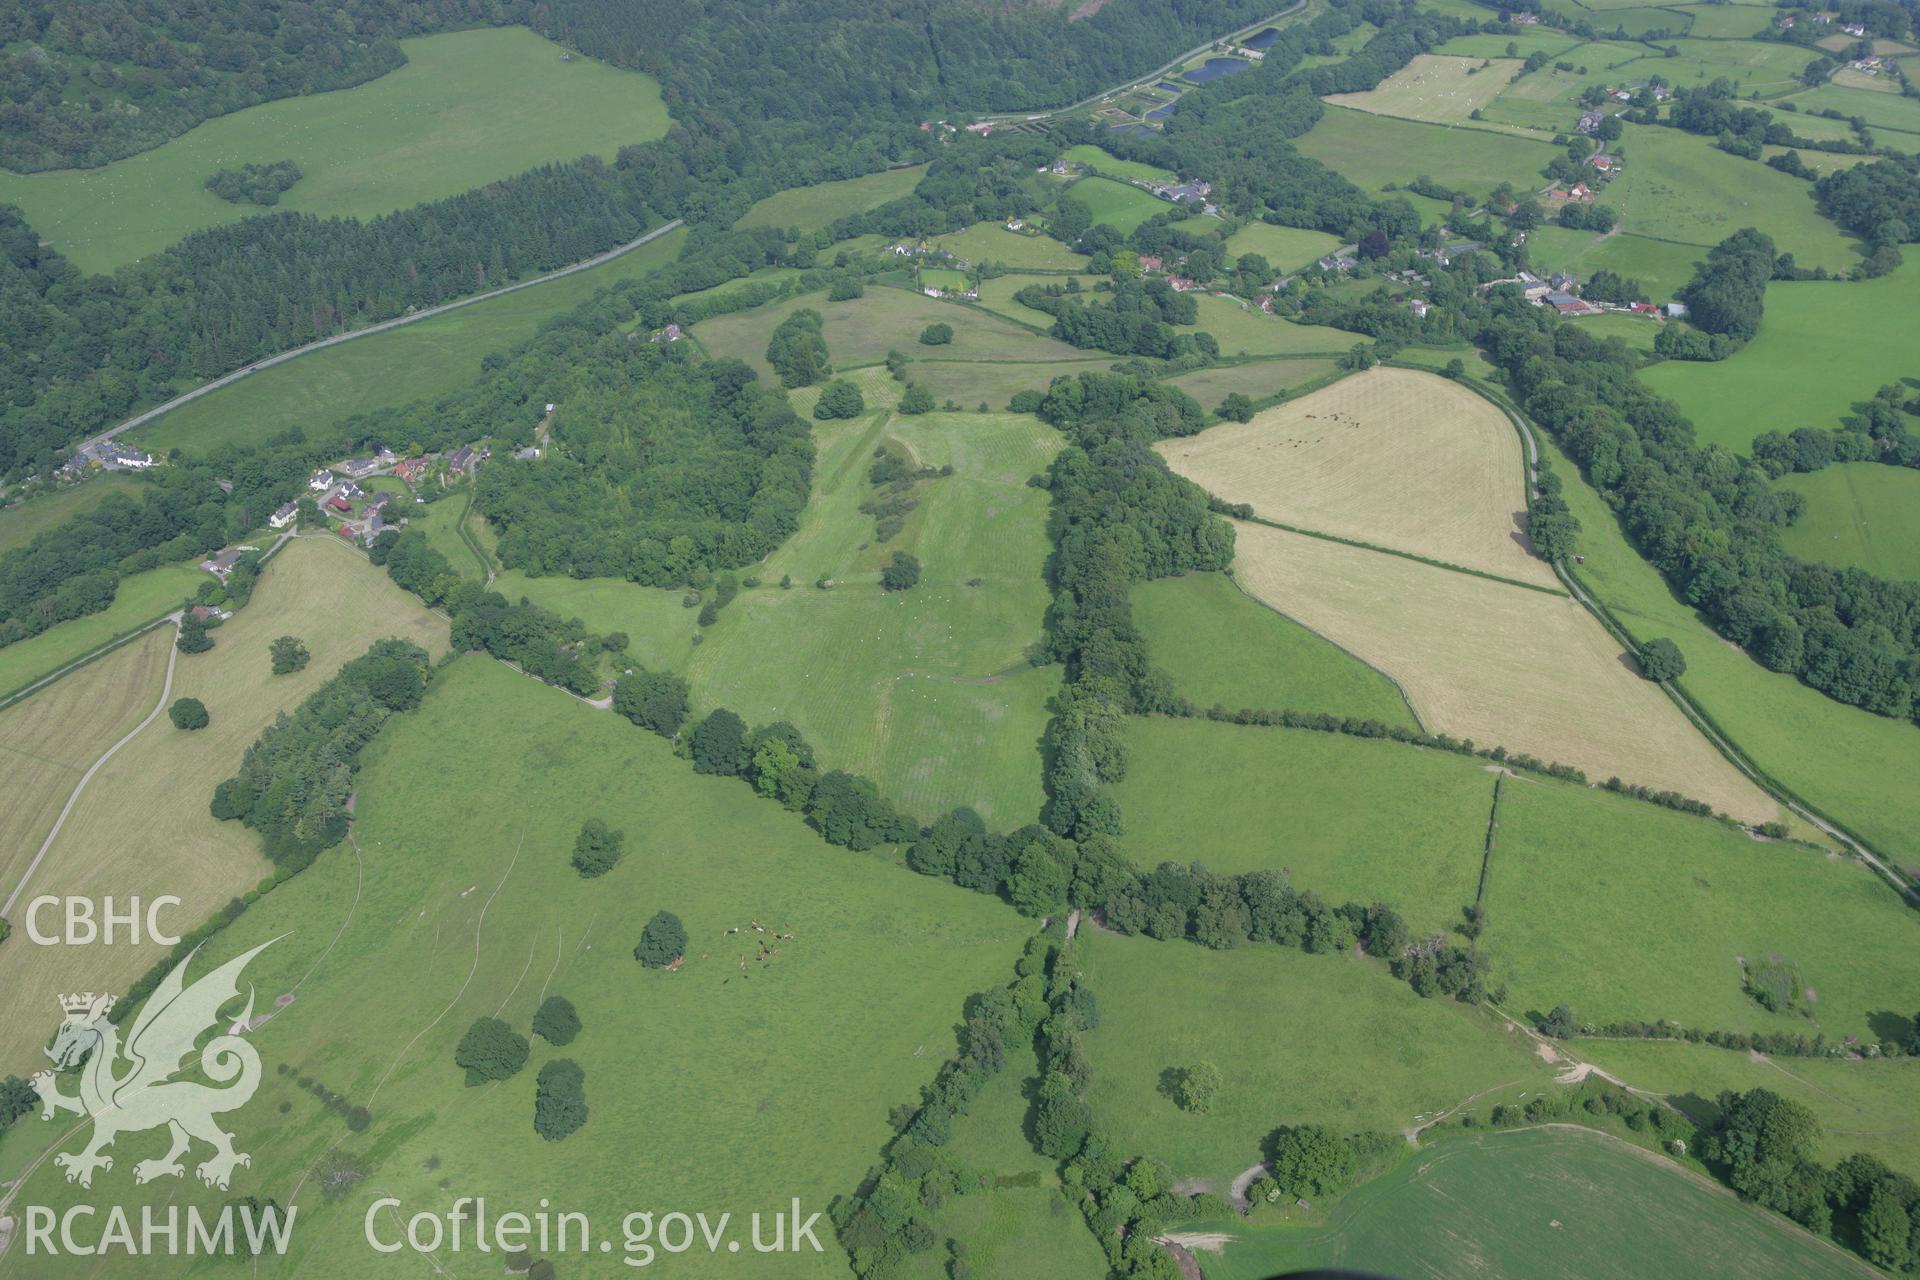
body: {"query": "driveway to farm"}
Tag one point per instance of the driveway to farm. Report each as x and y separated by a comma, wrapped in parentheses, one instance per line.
(166, 690)
(381, 327)
(1012, 117)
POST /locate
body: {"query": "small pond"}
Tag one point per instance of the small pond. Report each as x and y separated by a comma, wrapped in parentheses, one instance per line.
(1262, 40)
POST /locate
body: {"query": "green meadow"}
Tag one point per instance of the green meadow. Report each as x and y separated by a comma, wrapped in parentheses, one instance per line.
(1625, 911)
(1017, 251)
(1529, 1205)
(1677, 186)
(469, 108)
(23, 521)
(1727, 21)
(1851, 764)
(1858, 335)
(457, 902)
(970, 383)
(928, 692)
(996, 295)
(1373, 150)
(1863, 515)
(1244, 330)
(861, 331)
(1286, 248)
(1117, 204)
(1320, 1039)
(810, 208)
(1222, 647)
(1353, 819)
(141, 599)
(1880, 110)
(1636, 331)
(1255, 379)
(393, 367)
(1113, 166)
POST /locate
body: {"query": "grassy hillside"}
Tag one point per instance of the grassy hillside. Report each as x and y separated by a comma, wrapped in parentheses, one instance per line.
(141, 598)
(470, 107)
(22, 522)
(459, 903)
(389, 368)
(1862, 515)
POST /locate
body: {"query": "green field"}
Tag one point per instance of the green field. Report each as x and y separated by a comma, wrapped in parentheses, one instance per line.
(1636, 331)
(1223, 647)
(1117, 204)
(460, 904)
(1350, 818)
(943, 278)
(141, 598)
(1114, 167)
(442, 522)
(469, 108)
(1880, 110)
(1255, 379)
(1767, 68)
(1286, 248)
(1527, 1205)
(1855, 334)
(992, 242)
(1727, 21)
(861, 331)
(390, 368)
(810, 208)
(1495, 45)
(1298, 1038)
(1661, 266)
(1374, 150)
(1850, 763)
(1862, 515)
(1678, 186)
(1243, 330)
(996, 295)
(1622, 910)
(22, 522)
(968, 383)
(928, 691)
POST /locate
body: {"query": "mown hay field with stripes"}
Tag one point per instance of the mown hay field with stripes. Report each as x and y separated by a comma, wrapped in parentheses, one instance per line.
(1395, 457)
(1436, 88)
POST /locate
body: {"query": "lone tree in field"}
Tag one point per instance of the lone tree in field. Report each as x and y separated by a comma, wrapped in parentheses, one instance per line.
(289, 655)
(491, 1050)
(1199, 1085)
(663, 941)
(1661, 659)
(555, 1021)
(560, 1099)
(1559, 1023)
(1311, 1161)
(1237, 407)
(839, 399)
(193, 636)
(901, 574)
(917, 400)
(936, 335)
(188, 713)
(596, 848)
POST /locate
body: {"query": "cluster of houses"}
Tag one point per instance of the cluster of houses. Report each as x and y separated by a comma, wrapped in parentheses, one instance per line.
(1870, 64)
(108, 455)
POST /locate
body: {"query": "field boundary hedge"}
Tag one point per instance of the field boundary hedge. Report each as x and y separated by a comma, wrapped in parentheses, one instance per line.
(1389, 551)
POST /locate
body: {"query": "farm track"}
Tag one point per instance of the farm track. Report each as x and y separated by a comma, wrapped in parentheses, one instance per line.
(384, 325)
(166, 690)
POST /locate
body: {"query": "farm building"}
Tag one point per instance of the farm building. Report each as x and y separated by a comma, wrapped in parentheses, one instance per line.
(339, 504)
(118, 457)
(222, 565)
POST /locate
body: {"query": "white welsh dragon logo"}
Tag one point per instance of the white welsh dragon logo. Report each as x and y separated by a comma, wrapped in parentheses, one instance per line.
(126, 1089)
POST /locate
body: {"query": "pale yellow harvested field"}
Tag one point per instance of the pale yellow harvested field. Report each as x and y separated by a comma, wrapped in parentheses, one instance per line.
(1435, 87)
(142, 826)
(1394, 457)
(1496, 663)
(49, 740)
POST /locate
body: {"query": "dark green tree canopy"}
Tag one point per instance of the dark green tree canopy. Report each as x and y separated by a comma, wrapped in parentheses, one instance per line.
(491, 1050)
(188, 713)
(663, 941)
